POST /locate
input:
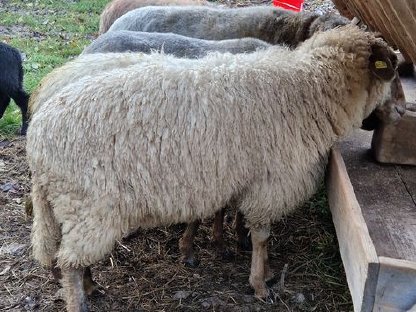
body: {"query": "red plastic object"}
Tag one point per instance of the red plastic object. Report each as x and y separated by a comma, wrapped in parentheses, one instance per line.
(294, 5)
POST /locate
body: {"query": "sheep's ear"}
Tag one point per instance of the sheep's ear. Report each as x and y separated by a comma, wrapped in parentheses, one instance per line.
(383, 61)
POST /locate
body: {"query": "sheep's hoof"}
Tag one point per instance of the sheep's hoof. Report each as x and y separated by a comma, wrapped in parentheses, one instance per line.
(90, 287)
(59, 295)
(84, 307)
(266, 295)
(190, 262)
(270, 279)
(23, 130)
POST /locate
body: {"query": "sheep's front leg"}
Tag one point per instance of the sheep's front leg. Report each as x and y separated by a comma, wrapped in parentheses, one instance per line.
(259, 262)
(186, 244)
(72, 283)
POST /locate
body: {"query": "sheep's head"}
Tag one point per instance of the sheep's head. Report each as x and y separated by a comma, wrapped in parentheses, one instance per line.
(390, 111)
(383, 60)
(383, 66)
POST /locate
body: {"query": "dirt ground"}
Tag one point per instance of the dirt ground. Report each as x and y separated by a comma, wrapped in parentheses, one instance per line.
(144, 274)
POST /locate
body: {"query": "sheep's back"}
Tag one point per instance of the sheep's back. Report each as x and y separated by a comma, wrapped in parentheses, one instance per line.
(198, 22)
(117, 8)
(169, 43)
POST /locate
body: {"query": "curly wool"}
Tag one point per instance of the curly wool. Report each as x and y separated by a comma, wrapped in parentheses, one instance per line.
(172, 140)
(73, 71)
(103, 60)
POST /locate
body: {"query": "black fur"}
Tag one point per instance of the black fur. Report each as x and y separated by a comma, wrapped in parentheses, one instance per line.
(11, 82)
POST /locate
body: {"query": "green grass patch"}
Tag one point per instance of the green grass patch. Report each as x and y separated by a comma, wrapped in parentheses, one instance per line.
(49, 33)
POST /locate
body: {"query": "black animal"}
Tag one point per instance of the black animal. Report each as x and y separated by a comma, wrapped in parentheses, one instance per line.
(11, 82)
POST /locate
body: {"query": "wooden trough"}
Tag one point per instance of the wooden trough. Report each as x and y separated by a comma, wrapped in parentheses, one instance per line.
(373, 205)
(374, 211)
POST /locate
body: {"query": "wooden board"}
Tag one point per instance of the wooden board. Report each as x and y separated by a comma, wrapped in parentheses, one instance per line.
(395, 19)
(387, 206)
(396, 286)
(374, 212)
(356, 247)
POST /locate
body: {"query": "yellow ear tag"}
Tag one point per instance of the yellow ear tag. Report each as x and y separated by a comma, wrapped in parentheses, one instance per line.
(380, 64)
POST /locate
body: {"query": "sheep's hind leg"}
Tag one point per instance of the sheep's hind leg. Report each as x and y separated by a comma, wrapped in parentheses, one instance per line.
(88, 283)
(243, 236)
(72, 283)
(218, 236)
(4, 102)
(259, 263)
(21, 99)
(186, 244)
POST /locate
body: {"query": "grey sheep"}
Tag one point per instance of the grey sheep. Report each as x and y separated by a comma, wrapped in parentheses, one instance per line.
(169, 43)
(257, 127)
(117, 8)
(266, 23)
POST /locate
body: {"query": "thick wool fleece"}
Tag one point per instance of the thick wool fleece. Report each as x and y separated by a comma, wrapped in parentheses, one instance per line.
(117, 8)
(121, 41)
(171, 140)
(263, 22)
(73, 71)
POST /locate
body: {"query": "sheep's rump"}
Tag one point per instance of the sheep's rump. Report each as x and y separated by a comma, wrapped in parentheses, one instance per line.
(117, 8)
(169, 43)
(11, 70)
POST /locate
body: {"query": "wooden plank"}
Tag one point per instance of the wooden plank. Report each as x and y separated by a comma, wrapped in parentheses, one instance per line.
(389, 25)
(343, 9)
(356, 247)
(408, 176)
(395, 19)
(401, 18)
(396, 286)
(387, 206)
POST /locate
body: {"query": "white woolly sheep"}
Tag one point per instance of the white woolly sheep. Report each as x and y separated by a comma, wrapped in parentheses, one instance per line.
(257, 127)
(11, 82)
(180, 46)
(117, 8)
(266, 23)
(122, 41)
